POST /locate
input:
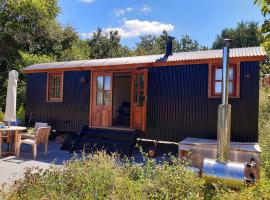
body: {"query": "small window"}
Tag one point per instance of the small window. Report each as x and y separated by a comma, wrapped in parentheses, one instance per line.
(55, 87)
(103, 97)
(215, 81)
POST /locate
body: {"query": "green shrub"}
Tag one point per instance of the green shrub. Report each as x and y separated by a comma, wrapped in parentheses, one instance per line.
(2, 115)
(21, 114)
(100, 176)
(264, 129)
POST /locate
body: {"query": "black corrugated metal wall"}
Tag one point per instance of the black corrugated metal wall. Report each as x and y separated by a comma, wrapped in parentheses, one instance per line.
(71, 114)
(179, 107)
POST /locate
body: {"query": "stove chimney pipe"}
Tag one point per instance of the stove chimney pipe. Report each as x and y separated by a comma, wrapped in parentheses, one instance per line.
(169, 45)
(224, 111)
(233, 174)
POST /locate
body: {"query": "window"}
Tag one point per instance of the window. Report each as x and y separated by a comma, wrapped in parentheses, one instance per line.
(215, 81)
(103, 90)
(139, 89)
(55, 87)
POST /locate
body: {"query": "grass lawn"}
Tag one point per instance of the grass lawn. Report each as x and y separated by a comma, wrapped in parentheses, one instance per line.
(101, 176)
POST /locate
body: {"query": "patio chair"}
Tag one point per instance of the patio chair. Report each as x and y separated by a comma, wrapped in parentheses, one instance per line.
(41, 137)
(32, 134)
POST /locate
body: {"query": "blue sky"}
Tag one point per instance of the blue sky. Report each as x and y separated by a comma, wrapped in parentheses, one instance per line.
(200, 19)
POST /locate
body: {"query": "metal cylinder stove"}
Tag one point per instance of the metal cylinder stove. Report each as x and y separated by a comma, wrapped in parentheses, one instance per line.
(233, 174)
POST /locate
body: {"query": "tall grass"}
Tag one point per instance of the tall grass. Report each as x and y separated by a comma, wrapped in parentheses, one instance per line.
(101, 176)
(264, 129)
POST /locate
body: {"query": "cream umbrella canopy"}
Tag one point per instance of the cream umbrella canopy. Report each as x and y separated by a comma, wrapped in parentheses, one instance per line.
(10, 112)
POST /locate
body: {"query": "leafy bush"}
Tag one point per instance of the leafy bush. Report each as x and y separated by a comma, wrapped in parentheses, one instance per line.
(2, 115)
(264, 129)
(21, 114)
(100, 176)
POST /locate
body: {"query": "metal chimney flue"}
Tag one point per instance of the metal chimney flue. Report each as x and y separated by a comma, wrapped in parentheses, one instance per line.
(224, 111)
(169, 45)
(233, 174)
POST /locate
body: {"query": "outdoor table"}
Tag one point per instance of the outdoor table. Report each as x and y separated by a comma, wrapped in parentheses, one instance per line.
(16, 130)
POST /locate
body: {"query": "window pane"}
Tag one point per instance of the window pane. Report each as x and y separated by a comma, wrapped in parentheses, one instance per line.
(136, 90)
(230, 88)
(140, 99)
(107, 84)
(141, 81)
(52, 81)
(218, 74)
(218, 87)
(99, 82)
(57, 92)
(58, 80)
(231, 74)
(107, 97)
(99, 98)
(52, 93)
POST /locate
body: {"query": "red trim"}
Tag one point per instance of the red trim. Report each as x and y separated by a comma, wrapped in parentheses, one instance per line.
(212, 81)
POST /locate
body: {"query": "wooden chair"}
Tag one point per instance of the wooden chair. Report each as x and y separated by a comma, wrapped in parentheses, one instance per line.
(41, 137)
(32, 134)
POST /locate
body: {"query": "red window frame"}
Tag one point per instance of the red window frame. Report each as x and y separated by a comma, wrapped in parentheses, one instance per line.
(212, 80)
(57, 87)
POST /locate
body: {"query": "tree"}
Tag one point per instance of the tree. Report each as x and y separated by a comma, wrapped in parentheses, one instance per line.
(22, 24)
(244, 35)
(31, 26)
(265, 29)
(146, 45)
(150, 44)
(106, 45)
(188, 44)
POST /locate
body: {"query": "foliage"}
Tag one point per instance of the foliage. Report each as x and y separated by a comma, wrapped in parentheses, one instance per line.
(23, 26)
(187, 44)
(265, 9)
(106, 45)
(78, 51)
(2, 115)
(264, 127)
(30, 33)
(100, 176)
(265, 29)
(244, 35)
(150, 44)
(21, 114)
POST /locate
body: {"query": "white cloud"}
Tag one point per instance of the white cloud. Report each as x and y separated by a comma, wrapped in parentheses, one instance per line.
(129, 9)
(86, 1)
(146, 9)
(119, 12)
(135, 28)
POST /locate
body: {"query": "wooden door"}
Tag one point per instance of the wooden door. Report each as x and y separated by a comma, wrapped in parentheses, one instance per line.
(139, 99)
(102, 99)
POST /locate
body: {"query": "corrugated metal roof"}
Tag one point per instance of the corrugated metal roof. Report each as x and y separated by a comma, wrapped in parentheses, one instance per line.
(182, 56)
